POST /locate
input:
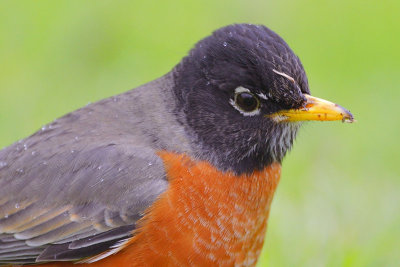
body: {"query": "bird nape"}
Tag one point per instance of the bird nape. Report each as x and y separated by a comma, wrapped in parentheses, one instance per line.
(180, 171)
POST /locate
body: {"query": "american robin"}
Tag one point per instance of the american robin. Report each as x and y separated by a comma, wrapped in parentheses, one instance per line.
(178, 172)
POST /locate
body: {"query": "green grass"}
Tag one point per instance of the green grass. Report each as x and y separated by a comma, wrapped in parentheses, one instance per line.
(338, 203)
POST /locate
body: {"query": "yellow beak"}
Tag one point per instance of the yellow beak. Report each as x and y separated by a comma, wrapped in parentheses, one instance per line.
(315, 109)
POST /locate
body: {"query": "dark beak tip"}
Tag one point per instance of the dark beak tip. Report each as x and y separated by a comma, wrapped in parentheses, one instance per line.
(348, 117)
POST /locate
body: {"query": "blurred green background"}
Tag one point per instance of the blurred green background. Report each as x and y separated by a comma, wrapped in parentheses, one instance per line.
(338, 203)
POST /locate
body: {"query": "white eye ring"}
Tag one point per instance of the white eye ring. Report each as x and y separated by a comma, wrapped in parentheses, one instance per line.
(238, 91)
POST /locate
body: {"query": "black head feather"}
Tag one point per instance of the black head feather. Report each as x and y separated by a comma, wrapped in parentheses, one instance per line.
(248, 56)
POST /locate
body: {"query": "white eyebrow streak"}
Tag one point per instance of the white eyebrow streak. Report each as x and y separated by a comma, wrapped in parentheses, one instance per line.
(284, 75)
(241, 89)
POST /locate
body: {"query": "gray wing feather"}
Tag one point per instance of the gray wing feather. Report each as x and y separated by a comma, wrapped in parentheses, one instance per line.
(69, 192)
(92, 206)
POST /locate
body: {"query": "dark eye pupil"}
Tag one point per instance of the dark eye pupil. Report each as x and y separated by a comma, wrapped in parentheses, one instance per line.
(247, 102)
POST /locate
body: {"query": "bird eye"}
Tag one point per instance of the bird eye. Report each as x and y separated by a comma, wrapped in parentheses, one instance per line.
(247, 102)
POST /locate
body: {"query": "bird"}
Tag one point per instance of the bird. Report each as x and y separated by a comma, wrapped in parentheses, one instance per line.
(180, 171)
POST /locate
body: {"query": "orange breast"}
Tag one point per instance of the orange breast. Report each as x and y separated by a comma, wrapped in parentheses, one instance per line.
(205, 218)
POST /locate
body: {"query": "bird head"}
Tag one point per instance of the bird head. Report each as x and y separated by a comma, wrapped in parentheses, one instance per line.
(243, 94)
